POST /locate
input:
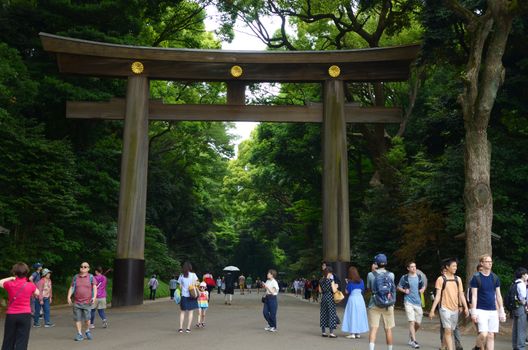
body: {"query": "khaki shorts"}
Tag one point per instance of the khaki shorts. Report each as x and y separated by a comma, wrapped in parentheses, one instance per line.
(375, 313)
(100, 303)
(414, 312)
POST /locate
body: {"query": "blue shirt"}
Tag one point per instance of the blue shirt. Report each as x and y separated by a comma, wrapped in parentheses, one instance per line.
(355, 285)
(414, 291)
(486, 292)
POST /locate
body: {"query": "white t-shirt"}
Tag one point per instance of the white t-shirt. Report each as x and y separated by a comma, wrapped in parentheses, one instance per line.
(185, 282)
(273, 286)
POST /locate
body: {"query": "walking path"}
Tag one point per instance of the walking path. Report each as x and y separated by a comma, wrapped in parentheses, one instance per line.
(154, 325)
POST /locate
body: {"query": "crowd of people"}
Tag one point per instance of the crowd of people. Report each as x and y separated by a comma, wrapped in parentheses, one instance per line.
(482, 301)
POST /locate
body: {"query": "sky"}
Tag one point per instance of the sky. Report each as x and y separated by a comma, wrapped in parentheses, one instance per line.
(244, 40)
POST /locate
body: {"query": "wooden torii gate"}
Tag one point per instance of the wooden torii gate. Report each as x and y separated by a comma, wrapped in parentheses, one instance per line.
(237, 69)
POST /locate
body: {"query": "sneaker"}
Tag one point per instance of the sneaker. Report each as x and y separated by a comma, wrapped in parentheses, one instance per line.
(324, 335)
(358, 336)
(413, 344)
(78, 337)
(332, 335)
(351, 336)
(49, 325)
(88, 335)
(180, 330)
(92, 326)
(105, 323)
(272, 329)
(36, 325)
(187, 330)
(267, 328)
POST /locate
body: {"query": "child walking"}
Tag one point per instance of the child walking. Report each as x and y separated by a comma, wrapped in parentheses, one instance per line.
(203, 304)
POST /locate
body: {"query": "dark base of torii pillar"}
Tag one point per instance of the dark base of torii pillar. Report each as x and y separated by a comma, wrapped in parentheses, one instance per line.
(128, 282)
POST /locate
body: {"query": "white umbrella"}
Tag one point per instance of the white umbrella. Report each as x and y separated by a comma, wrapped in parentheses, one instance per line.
(231, 268)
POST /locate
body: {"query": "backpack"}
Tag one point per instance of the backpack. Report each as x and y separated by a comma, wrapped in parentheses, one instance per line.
(511, 299)
(75, 283)
(384, 290)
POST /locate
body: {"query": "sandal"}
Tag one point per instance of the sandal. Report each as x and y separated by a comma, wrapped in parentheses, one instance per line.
(180, 330)
(187, 330)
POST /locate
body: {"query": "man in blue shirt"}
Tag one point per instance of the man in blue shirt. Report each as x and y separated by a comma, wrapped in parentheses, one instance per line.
(485, 297)
(412, 285)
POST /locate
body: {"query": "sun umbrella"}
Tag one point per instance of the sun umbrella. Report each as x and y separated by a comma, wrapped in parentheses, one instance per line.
(231, 268)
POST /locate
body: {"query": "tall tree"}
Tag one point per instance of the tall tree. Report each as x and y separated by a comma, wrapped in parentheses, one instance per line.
(487, 29)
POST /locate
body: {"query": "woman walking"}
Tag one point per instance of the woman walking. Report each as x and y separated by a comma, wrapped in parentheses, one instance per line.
(328, 315)
(45, 298)
(18, 314)
(269, 310)
(355, 319)
(187, 304)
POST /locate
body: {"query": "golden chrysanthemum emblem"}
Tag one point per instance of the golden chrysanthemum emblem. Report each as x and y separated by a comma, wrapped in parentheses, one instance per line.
(137, 67)
(334, 71)
(236, 71)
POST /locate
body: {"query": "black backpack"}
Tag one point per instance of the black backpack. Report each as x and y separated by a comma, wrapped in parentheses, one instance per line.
(511, 299)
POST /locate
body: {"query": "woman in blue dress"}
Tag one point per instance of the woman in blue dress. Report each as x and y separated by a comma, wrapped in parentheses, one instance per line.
(355, 319)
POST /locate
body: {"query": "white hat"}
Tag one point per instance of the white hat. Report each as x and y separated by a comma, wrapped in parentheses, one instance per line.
(203, 284)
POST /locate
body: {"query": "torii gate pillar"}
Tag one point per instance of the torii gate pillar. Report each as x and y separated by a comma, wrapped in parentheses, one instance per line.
(336, 230)
(129, 265)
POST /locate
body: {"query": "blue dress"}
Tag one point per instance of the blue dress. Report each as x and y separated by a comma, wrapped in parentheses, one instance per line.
(355, 319)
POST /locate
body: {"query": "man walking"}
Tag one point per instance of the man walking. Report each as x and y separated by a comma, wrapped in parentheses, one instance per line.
(519, 313)
(153, 286)
(381, 304)
(412, 285)
(485, 296)
(449, 295)
(84, 292)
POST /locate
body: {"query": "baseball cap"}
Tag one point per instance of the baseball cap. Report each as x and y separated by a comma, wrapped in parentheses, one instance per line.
(380, 259)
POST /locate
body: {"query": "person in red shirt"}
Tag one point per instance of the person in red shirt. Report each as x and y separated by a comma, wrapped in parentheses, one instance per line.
(83, 289)
(18, 314)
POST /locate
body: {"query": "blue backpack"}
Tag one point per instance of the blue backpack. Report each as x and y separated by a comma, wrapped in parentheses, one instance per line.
(384, 290)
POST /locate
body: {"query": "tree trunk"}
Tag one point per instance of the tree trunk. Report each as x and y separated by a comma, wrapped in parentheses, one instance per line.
(488, 34)
(477, 197)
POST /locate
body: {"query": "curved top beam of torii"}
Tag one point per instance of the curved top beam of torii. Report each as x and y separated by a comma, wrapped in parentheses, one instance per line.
(102, 59)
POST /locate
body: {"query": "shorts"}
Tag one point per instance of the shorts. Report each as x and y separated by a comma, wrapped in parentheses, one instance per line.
(448, 318)
(375, 313)
(204, 308)
(82, 312)
(414, 312)
(488, 321)
(100, 303)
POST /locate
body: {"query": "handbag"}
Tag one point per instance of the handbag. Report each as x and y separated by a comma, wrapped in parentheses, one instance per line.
(338, 297)
(263, 299)
(177, 296)
(194, 292)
